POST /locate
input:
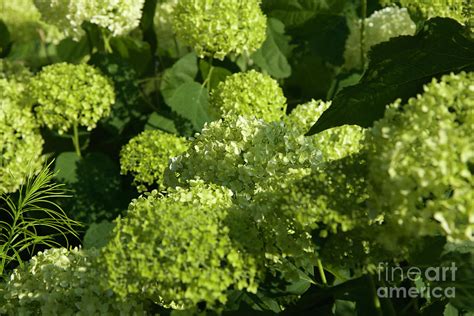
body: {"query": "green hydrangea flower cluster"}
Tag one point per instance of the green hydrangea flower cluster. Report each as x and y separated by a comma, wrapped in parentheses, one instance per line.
(218, 28)
(23, 21)
(249, 94)
(244, 155)
(63, 282)
(421, 162)
(21, 144)
(176, 249)
(454, 9)
(118, 16)
(16, 80)
(147, 156)
(334, 143)
(69, 95)
(66, 15)
(331, 204)
(381, 26)
(14, 71)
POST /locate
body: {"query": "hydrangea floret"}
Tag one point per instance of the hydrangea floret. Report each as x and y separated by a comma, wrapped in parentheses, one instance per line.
(176, 249)
(245, 155)
(218, 28)
(381, 26)
(71, 95)
(117, 16)
(147, 156)
(249, 94)
(58, 281)
(334, 143)
(421, 162)
(21, 144)
(454, 9)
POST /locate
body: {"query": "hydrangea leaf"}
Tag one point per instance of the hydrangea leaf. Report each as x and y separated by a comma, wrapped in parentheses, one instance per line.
(137, 53)
(66, 167)
(399, 69)
(157, 121)
(218, 73)
(294, 12)
(98, 234)
(184, 70)
(191, 101)
(271, 57)
(72, 51)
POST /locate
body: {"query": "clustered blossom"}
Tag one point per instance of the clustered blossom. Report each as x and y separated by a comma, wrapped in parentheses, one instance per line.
(69, 95)
(21, 144)
(176, 249)
(147, 156)
(381, 26)
(249, 94)
(218, 28)
(454, 9)
(421, 162)
(334, 143)
(63, 282)
(118, 16)
(244, 154)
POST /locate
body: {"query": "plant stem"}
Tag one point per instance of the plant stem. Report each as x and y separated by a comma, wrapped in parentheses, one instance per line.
(207, 81)
(107, 47)
(321, 272)
(362, 33)
(376, 299)
(75, 139)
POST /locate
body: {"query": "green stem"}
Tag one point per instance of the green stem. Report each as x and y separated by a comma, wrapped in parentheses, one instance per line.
(107, 47)
(207, 81)
(7, 244)
(362, 33)
(321, 272)
(376, 299)
(75, 139)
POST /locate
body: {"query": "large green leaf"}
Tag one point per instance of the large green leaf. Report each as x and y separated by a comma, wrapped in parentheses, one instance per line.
(293, 12)
(184, 70)
(399, 69)
(72, 51)
(135, 52)
(66, 166)
(217, 75)
(191, 101)
(98, 234)
(271, 57)
(157, 121)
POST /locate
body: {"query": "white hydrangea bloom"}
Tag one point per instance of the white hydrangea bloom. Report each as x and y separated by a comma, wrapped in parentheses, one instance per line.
(118, 16)
(381, 26)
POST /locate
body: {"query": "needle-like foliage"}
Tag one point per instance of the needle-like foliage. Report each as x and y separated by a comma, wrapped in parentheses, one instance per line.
(33, 218)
